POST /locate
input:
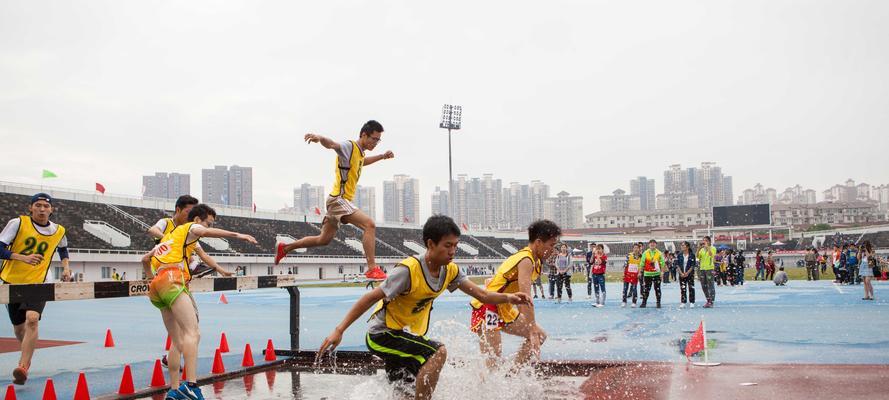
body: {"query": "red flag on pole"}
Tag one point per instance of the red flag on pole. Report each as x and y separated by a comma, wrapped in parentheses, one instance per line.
(100, 188)
(406, 219)
(317, 211)
(696, 343)
(465, 228)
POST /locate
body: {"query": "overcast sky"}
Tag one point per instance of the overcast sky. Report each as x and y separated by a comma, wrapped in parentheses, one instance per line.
(582, 95)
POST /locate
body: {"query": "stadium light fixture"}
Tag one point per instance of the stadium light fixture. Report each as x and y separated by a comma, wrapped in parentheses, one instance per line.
(451, 119)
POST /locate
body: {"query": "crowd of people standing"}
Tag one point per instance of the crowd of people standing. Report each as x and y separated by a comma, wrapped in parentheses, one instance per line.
(647, 267)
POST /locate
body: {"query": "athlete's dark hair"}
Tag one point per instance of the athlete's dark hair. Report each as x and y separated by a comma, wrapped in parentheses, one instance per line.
(544, 230)
(439, 226)
(185, 200)
(371, 127)
(707, 238)
(652, 241)
(201, 211)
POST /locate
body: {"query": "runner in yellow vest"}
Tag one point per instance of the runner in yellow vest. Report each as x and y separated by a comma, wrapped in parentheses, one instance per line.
(165, 225)
(27, 245)
(515, 276)
(706, 258)
(349, 162)
(400, 321)
(652, 263)
(168, 264)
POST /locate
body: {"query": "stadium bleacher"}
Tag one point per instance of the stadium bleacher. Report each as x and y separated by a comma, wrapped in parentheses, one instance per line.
(390, 240)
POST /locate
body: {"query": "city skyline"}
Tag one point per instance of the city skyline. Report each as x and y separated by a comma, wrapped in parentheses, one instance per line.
(366, 197)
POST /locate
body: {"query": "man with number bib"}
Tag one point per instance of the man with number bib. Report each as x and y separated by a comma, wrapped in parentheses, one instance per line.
(165, 225)
(168, 291)
(400, 321)
(340, 210)
(27, 245)
(515, 276)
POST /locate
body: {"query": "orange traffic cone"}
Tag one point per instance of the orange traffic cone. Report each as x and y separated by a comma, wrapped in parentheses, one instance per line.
(157, 377)
(109, 341)
(126, 381)
(218, 366)
(169, 342)
(82, 391)
(223, 344)
(49, 391)
(248, 357)
(222, 299)
(10, 392)
(270, 352)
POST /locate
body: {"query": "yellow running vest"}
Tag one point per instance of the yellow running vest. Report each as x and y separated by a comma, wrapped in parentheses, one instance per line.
(633, 262)
(29, 241)
(170, 226)
(347, 176)
(412, 309)
(174, 250)
(506, 280)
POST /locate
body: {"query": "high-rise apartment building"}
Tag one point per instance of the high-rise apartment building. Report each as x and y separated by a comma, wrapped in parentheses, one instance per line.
(163, 185)
(401, 200)
(307, 197)
(231, 186)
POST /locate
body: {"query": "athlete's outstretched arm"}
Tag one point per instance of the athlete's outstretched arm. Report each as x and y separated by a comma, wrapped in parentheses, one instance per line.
(201, 231)
(211, 262)
(361, 306)
(385, 156)
(488, 297)
(324, 140)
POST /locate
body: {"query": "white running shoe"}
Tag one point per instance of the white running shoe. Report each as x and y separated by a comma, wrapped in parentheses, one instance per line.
(623, 305)
(600, 305)
(691, 305)
(682, 305)
(633, 306)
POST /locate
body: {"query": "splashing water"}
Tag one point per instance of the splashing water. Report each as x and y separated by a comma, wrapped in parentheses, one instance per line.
(465, 374)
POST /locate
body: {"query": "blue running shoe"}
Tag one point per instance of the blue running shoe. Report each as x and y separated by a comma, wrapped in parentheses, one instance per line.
(174, 394)
(190, 391)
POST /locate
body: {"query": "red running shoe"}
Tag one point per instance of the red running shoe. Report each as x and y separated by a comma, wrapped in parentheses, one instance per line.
(376, 273)
(279, 253)
(19, 375)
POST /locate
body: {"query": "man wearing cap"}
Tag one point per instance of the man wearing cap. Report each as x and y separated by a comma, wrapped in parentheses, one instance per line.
(27, 245)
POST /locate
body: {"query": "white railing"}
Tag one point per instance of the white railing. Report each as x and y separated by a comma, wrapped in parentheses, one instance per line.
(128, 216)
(107, 232)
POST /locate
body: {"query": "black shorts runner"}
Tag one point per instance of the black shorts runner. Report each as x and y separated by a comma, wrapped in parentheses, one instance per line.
(17, 310)
(402, 352)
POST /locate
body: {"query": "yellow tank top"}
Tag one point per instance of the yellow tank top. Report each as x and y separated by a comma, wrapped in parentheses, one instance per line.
(170, 226)
(347, 175)
(506, 279)
(29, 241)
(633, 262)
(174, 250)
(412, 309)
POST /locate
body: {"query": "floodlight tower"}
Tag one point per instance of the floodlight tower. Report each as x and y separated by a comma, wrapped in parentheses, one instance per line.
(451, 118)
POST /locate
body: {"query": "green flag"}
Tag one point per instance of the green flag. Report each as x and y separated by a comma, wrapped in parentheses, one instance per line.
(49, 174)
